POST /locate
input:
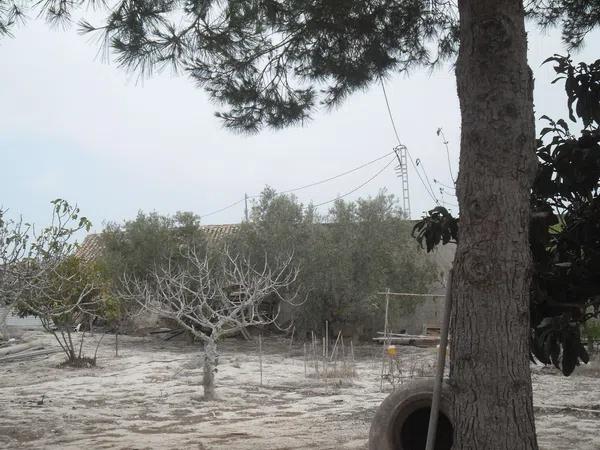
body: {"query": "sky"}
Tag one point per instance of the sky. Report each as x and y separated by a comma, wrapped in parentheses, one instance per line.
(76, 127)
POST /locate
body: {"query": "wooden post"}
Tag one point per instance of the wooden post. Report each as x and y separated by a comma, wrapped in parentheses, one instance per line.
(334, 352)
(352, 352)
(260, 359)
(335, 345)
(325, 359)
(385, 327)
(326, 339)
(292, 340)
(314, 348)
(326, 348)
(343, 356)
(305, 360)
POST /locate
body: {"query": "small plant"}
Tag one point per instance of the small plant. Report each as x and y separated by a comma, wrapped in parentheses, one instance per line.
(117, 311)
(62, 298)
(591, 332)
(56, 286)
(401, 370)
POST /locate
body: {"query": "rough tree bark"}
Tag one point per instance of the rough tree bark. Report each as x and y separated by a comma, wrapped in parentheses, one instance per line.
(490, 374)
(210, 366)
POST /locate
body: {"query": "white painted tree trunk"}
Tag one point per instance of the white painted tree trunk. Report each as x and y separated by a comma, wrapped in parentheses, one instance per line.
(211, 359)
(4, 312)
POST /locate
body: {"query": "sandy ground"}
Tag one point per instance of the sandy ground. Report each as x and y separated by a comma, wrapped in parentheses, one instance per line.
(150, 398)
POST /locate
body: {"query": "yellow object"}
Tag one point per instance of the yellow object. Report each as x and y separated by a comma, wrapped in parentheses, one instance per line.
(391, 351)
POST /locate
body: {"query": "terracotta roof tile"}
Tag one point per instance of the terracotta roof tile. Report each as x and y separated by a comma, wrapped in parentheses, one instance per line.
(91, 247)
(220, 231)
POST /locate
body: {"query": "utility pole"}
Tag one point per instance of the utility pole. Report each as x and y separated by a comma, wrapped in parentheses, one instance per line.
(402, 173)
(246, 206)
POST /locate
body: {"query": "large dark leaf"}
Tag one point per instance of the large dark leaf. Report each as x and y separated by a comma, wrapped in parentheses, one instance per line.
(570, 354)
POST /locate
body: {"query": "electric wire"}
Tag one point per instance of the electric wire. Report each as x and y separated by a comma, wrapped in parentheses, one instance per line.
(368, 163)
(389, 109)
(420, 163)
(440, 133)
(443, 185)
(358, 187)
(426, 185)
(337, 176)
(443, 192)
(222, 209)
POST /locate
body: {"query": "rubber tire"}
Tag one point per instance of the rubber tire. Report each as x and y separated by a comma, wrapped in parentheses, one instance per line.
(398, 406)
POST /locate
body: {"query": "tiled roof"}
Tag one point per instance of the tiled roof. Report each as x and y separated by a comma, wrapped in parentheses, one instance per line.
(91, 247)
(220, 231)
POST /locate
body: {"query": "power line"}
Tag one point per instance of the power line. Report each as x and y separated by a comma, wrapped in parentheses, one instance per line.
(440, 133)
(420, 163)
(389, 109)
(246, 197)
(358, 187)
(443, 185)
(223, 209)
(336, 176)
(443, 191)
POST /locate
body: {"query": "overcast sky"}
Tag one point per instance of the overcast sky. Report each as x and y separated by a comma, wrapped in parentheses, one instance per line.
(74, 127)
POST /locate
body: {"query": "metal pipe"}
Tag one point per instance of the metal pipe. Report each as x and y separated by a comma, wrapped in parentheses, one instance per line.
(441, 361)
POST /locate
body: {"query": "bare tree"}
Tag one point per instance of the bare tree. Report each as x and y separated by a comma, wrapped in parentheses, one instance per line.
(214, 297)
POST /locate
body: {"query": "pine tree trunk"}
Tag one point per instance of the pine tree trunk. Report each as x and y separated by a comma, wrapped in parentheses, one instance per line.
(490, 373)
(210, 367)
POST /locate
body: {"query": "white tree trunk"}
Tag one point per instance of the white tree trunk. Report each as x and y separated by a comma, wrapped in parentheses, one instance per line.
(210, 367)
(4, 312)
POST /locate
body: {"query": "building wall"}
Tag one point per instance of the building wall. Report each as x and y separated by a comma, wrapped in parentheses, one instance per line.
(427, 311)
(25, 322)
(417, 312)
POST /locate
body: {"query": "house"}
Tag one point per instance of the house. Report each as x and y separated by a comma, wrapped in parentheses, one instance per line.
(91, 248)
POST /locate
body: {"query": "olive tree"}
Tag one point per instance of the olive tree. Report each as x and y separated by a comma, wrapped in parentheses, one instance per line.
(364, 246)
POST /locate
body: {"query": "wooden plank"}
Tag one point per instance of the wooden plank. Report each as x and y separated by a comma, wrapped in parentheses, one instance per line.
(26, 355)
(410, 336)
(17, 348)
(409, 294)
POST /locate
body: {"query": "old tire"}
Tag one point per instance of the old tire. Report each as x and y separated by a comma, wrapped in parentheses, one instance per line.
(401, 421)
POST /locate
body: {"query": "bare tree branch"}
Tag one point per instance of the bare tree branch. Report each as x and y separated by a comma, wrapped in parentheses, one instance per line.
(214, 297)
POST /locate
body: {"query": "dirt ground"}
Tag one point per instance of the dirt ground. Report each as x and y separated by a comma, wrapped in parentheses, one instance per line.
(150, 398)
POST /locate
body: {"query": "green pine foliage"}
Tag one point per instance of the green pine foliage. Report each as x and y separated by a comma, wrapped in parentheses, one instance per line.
(273, 62)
